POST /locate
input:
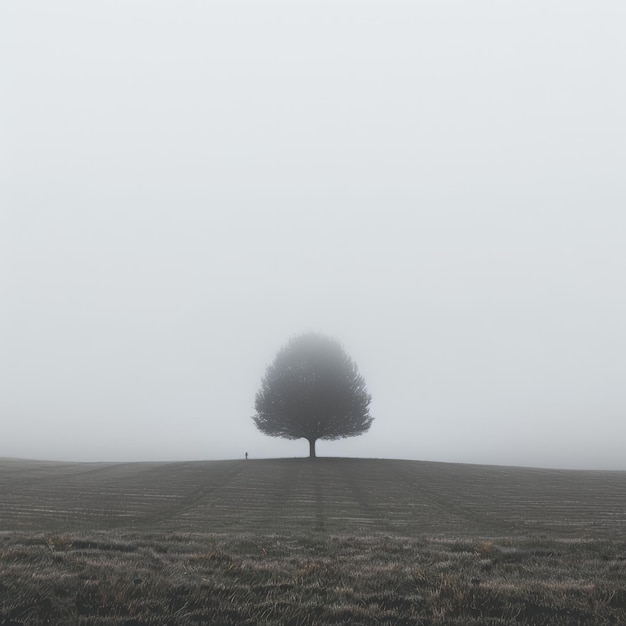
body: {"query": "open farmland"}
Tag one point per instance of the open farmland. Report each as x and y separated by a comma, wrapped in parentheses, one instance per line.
(296, 541)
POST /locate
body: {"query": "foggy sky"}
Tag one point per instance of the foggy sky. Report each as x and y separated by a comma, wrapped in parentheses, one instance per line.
(440, 185)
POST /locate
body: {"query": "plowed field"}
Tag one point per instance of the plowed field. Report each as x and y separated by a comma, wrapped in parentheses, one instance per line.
(294, 541)
(332, 495)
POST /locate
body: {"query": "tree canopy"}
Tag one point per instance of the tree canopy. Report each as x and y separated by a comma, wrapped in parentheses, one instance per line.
(312, 390)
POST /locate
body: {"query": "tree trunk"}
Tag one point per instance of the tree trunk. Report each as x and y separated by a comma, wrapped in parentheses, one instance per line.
(311, 448)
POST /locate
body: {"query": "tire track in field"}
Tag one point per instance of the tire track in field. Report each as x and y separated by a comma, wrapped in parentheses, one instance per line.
(335, 505)
(289, 501)
(212, 482)
(68, 495)
(346, 495)
(368, 495)
(466, 518)
(320, 504)
(260, 497)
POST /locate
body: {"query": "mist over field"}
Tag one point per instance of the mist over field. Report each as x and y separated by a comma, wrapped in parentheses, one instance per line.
(439, 185)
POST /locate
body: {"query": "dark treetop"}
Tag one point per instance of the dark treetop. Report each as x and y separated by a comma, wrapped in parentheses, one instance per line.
(312, 390)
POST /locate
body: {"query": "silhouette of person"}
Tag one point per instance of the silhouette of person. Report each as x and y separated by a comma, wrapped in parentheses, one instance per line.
(246, 456)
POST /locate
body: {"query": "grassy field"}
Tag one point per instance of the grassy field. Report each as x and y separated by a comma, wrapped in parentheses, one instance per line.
(294, 541)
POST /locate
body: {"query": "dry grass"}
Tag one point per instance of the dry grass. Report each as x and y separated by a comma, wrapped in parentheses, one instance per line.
(186, 578)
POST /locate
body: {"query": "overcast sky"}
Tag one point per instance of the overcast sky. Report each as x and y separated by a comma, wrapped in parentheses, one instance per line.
(440, 185)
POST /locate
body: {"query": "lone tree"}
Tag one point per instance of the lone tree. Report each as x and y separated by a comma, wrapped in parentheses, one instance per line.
(312, 390)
